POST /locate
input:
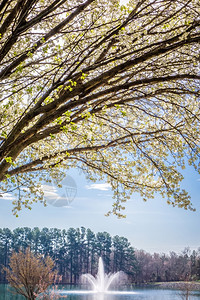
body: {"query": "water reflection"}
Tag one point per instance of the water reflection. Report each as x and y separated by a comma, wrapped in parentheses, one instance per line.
(102, 297)
(139, 294)
(136, 294)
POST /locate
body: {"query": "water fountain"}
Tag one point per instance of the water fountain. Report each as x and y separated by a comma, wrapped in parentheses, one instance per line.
(101, 289)
(100, 285)
(102, 281)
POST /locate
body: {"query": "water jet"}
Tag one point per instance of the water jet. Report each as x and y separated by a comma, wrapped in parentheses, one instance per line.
(102, 281)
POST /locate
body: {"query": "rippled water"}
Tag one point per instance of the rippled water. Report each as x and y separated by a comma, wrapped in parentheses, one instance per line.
(134, 294)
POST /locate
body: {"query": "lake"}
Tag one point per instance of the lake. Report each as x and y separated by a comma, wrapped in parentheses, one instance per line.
(132, 294)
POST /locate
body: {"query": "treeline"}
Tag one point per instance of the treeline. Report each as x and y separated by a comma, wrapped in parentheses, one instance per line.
(164, 268)
(76, 251)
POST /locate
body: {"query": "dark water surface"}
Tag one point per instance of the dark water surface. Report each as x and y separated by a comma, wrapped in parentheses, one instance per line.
(131, 294)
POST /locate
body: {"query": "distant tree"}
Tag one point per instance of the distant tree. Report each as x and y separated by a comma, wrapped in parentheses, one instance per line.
(103, 248)
(198, 263)
(145, 268)
(157, 267)
(29, 274)
(110, 89)
(36, 240)
(22, 238)
(46, 241)
(91, 249)
(123, 256)
(6, 244)
(72, 249)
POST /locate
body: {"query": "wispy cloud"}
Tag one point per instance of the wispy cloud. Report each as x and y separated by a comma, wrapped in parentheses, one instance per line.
(7, 196)
(98, 186)
(58, 197)
(103, 195)
(50, 191)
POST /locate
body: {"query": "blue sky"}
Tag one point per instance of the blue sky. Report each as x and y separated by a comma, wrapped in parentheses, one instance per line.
(153, 225)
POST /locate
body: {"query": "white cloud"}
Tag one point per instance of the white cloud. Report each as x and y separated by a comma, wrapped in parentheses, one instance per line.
(50, 191)
(58, 197)
(7, 196)
(49, 188)
(103, 195)
(98, 186)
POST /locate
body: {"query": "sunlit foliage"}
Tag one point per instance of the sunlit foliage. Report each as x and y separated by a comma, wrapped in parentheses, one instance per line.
(112, 90)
